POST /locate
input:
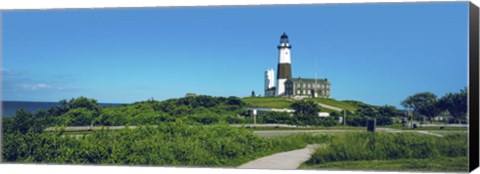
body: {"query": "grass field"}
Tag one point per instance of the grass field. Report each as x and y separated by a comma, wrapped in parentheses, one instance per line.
(335, 103)
(268, 102)
(322, 109)
(438, 128)
(441, 164)
(279, 102)
(385, 151)
(308, 128)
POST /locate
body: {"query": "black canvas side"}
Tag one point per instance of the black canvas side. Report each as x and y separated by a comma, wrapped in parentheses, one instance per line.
(473, 90)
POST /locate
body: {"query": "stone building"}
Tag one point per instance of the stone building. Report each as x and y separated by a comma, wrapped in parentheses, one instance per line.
(303, 88)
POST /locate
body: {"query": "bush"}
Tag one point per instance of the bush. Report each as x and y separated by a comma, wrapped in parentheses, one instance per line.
(205, 119)
(355, 120)
(328, 121)
(276, 117)
(381, 121)
(173, 144)
(234, 119)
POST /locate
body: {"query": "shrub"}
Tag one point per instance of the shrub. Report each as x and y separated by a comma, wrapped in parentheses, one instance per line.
(328, 121)
(276, 117)
(382, 120)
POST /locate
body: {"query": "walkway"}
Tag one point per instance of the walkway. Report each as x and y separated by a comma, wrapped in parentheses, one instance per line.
(330, 107)
(284, 160)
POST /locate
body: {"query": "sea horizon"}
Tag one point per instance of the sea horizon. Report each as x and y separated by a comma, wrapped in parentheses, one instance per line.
(10, 107)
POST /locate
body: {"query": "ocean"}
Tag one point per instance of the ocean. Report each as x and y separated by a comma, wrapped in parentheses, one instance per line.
(9, 108)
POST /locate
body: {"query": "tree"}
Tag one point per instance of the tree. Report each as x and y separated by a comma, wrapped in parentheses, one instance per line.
(387, 111)
(367, 111)
(235, 101)
(83, 102)
(423, 104)
(306, 112)
(78, 117)
(24, 121)
(455, 103)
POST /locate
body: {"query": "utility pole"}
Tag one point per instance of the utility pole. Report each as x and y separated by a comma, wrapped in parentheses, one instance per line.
(344, 118)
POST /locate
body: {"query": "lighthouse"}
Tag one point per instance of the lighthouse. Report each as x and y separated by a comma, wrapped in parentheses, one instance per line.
(284, 70)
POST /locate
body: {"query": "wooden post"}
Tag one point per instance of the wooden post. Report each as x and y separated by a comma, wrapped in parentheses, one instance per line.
(254, 118)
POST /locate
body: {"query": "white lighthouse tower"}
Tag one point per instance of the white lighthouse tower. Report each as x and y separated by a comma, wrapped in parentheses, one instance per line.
(269, 83)
(284, 70)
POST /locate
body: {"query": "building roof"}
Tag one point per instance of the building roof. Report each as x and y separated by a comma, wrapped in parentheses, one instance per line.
(307, 80)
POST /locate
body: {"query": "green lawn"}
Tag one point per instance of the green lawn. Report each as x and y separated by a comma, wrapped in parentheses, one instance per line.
(438, 128)
(322, 109)
(268, 102)
(451, 164)
(336, 103)
(307, 128)
(279, 102)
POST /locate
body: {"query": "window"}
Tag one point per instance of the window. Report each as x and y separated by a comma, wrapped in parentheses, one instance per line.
(304, 91)
(298, 91)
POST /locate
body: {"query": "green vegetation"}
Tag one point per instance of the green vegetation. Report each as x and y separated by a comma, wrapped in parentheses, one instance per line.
(356, 103)
(268, 102)
(306, 113)
(198, 109)
(190, 131)
(441, 164)
(455, 104)
(275, 117)
(344, 148)
(427, 105)
(310, 128)
(175, 143)
(383, 114)
(437, 128)
(280, 102)
(336, 103)
(194, 131)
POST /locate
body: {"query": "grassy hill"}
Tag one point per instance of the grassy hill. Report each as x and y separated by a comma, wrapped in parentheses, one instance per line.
(268, 102)
(336, 103)
(355, 103)
(279, 102)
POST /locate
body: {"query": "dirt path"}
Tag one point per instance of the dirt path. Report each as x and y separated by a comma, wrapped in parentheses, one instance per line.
(284, 160)
(330, 107)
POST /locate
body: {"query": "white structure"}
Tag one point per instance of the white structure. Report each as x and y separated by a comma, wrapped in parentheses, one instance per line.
(269, 83)
(323, 114)
(284, 64)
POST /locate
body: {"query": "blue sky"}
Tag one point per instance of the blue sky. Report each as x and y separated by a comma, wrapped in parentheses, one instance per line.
(376, 53)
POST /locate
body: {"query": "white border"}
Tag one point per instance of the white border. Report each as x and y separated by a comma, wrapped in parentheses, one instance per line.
(88, 169)
(79, 4)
